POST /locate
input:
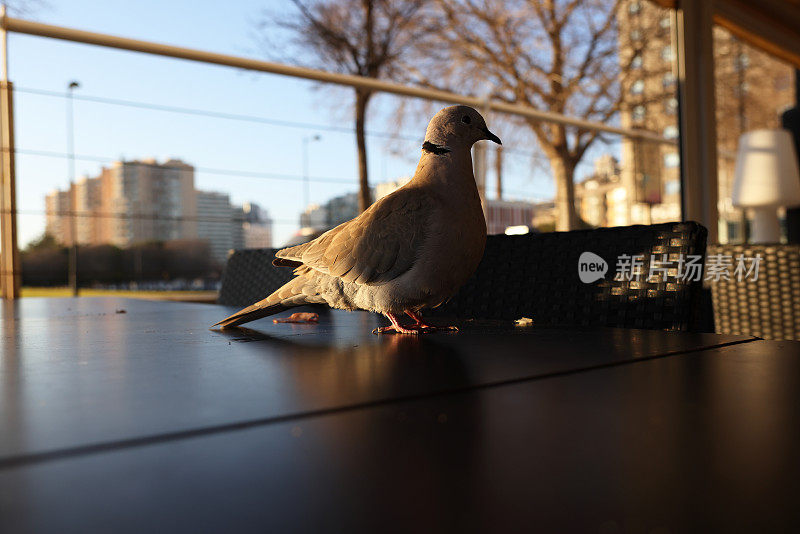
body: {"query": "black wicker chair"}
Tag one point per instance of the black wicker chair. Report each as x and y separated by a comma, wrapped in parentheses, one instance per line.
(536, 276)
(249, 276)
(767, 307)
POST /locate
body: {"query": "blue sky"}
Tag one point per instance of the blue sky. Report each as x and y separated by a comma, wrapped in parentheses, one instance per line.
(109, 131)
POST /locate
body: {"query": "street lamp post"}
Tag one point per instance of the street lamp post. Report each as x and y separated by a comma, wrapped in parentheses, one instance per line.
(73, 249)
(306, 192)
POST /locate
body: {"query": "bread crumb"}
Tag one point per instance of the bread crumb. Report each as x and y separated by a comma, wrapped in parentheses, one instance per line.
(299, 318)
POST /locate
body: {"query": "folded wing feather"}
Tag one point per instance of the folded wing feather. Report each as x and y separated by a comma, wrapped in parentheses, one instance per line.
(377, 246)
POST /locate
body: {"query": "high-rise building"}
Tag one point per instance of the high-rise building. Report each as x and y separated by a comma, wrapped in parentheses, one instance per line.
(87, 200)
(237, 227)
(130, 202)
(139, 201)
(257, 226)
(157, 201)
(752, 89)
(319, 218)
(73, 212)
(219, 223)
(342, 208)
(314, 219)
(649, 172)
(58, 206)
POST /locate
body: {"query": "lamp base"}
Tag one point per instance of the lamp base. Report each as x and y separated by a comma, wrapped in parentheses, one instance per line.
(766, 228)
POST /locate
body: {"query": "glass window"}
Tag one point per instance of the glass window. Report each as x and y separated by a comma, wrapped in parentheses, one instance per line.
(635, 35)
(671, 105)
(671, 132)
(637, 87)
(634, 8)
(672, 187)
(636, 62)
(639, 113)
(671, 159)
(753, 88)
(664, 22)
(742, 61)
(666, 53)
(668, 80)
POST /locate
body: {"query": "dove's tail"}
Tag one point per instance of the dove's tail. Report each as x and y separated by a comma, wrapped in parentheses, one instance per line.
(262, 308)
(288, 296)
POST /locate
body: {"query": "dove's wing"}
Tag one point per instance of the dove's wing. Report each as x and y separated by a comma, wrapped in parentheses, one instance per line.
(377, 246)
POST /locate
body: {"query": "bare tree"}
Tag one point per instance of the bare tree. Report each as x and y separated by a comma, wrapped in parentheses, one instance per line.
(738, 70)
(25, 8)
(361, 37)
(555, 55)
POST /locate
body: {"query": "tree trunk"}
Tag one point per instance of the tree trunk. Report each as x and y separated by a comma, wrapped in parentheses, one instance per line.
(563, 172)
(364, 196)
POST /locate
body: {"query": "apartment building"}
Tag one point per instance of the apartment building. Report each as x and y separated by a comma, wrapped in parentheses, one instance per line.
(752, 90)
(144, 200)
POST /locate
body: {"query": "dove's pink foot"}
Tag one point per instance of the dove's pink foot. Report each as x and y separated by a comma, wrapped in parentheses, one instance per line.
(395, 327)
(418, 323)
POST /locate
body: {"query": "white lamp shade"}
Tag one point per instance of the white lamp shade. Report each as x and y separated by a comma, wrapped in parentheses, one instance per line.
(767, 173)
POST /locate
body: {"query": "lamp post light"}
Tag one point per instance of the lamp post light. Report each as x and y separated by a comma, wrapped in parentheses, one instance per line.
(73, 249)
(306, 193)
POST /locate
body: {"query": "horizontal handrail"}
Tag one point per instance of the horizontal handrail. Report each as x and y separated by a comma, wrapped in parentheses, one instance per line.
(28, 27)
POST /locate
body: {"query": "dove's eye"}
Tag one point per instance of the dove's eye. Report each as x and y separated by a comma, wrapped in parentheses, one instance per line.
(465, 119)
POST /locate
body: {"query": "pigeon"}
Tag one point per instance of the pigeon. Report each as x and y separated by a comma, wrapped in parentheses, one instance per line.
(410, 250)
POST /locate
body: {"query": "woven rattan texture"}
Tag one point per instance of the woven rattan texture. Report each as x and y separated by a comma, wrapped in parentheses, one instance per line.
(249, 276)
(768, 307)
(536, 276)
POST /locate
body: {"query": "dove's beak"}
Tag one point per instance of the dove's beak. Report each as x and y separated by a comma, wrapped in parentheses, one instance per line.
(490, 136)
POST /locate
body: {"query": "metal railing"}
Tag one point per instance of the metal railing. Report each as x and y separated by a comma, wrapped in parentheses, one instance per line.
(9, 24)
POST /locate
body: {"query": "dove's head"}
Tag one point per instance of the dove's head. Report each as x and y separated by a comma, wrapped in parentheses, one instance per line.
(458, 127)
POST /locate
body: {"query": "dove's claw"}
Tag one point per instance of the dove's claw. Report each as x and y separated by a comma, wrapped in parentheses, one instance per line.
(427, 327)
(395, 328)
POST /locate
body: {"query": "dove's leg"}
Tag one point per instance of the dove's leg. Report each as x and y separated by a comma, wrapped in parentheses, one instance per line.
(396, 327)
(418, 320)
(424, 326)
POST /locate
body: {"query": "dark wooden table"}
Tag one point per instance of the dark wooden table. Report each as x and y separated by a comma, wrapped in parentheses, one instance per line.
(121, 415)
